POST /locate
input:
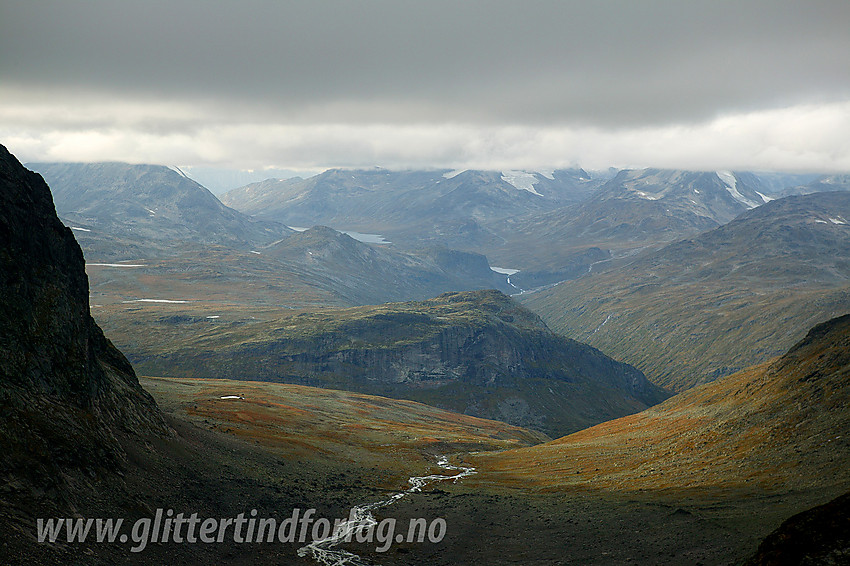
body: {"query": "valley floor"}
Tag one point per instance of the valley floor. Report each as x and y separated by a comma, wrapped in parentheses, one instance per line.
(222, 463)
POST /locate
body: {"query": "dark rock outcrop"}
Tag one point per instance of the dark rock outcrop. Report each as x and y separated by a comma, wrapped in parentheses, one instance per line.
(65, 390)
(818, 536)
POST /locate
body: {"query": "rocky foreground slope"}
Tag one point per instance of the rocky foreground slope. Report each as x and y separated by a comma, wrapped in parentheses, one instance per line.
(820, 535)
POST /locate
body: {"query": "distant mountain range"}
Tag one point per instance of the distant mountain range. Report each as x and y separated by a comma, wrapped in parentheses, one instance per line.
(413, 208)
(149, 206)
(720, 301)
(543, 224)
(825, 183)
(635, 210)
(478, 353)
(363, 198)
(125, 212)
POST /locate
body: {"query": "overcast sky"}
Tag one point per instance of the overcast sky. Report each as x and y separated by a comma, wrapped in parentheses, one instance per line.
(311, 85)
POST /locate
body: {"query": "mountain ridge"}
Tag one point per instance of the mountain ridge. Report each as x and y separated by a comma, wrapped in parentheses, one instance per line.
(475, 352)
(711, 304)
(150, 204)
(370, 274)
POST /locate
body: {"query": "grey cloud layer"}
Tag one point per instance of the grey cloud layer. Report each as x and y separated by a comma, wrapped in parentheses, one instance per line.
(609, 63)
(313, 84)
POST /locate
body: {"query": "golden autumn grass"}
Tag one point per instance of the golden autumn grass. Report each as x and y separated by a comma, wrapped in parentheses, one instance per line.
(400, 437)
(772, 428)
(700, 478)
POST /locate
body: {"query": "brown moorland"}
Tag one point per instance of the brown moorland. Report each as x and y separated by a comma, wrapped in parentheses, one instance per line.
(399, 437)
(773, 428)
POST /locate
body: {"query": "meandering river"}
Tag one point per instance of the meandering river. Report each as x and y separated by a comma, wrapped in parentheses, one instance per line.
(325, 551)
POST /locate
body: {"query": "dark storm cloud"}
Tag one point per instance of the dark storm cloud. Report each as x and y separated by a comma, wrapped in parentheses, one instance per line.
(589, 63)
(315, 84)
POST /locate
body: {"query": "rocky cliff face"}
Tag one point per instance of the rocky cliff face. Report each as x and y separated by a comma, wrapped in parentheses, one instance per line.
(66, 391)
(475, 352)
(497, 351)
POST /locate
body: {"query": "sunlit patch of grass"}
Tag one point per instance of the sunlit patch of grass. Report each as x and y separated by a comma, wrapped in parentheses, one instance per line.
(775, 427)
(306, 422)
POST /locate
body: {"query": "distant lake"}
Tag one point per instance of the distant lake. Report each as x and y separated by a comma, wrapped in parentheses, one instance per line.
(359, 236)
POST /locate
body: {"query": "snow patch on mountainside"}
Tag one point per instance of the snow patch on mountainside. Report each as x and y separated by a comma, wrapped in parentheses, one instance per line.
(728, 179)
(169, 301)
(731, 183)
(178, 171)
(643, 195)
(521, 180)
